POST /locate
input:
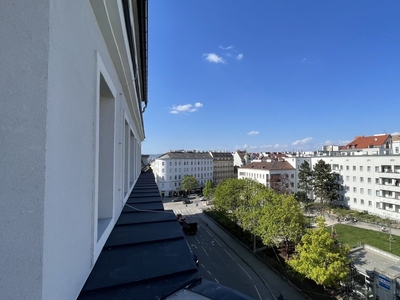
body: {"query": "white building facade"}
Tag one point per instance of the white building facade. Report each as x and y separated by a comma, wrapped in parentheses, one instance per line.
(171, 167)
(370, 182)
(265, 171)
(74, 87)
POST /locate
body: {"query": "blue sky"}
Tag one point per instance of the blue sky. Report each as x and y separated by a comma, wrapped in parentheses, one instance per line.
(230, 75)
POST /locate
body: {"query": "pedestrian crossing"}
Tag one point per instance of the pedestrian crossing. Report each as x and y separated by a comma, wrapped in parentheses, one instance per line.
(187, 211)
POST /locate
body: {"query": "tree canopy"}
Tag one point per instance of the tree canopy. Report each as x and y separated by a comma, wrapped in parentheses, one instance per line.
(319, 257)
(208, 189)
(325, 185)
(281, 220)
(305, 177)
(189, 183)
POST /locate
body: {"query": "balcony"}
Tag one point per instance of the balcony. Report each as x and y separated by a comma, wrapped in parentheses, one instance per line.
(389, 200)
(389, 187)
(390, 175)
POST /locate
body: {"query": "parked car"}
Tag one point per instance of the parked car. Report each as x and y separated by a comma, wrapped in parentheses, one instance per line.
(177, 199)
(186, 201)
(192, 196)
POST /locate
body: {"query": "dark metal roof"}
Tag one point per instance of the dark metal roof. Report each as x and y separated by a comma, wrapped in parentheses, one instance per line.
(186, 155)
(146, 255)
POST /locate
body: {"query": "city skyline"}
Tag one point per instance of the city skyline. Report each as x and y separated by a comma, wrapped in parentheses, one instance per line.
(270, 77)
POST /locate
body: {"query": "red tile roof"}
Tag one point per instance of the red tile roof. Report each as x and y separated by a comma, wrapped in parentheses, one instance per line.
(362, 142)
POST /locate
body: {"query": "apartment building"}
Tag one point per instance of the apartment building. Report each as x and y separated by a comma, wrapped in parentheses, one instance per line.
(74, 88)
(223, 166)
(277, 174)
(368, 182)
(171, 167)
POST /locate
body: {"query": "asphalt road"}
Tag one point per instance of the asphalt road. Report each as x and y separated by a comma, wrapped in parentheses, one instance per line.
(217, 262)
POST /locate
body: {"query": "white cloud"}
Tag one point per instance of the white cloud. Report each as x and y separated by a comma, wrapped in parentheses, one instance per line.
(302, 142)
(239, 57)
(280, 146)
(338, 143)
(214, 58)
(226, 48)
(303, 60)
(253, 147)
(266, 146)
(185, 108)
(253, 132)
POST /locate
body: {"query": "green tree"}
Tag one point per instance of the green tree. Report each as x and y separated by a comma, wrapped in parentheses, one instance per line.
(319, 257)
(281, 220)
(324, 182)
(305, 177)
(208, 189)
(189, 183)
(253, 198)
(227, 195)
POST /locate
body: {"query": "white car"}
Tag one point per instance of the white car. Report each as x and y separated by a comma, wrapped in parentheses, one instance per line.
(192, 196)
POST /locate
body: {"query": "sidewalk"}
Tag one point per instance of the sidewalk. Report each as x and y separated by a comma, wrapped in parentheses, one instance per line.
(359, 224)
(273, 281)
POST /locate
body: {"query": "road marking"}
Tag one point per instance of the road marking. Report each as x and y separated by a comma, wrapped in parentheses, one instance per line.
(205, 250)
(229, 254)
(218, 242)
(193, 245)
(257, 292)
(202, 265)
(208, 272)
(197, 239)
(216, 280)
(212, 243)
(245, 272)
(208, 232)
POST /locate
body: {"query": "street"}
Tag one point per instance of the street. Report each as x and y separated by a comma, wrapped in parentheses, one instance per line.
(219, 260)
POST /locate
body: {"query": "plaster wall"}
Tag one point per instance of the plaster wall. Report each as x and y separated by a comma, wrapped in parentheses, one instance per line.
(23, 98)
(48, 154)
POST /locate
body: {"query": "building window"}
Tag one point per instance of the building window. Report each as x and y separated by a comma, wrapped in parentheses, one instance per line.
(347, 188)
(347, 168)
(368, 168)
(354, 168)
(396, 150)
(369, 180)
(377, 169)
(369, 192)
(377, 193)
(355, 200)
(376, 180)
(354, 179)
(162, 171)
(362, 201)
(354, 189)
(361, 190)
(378, 205)
(347, 178)
(369, 203)
(361, 179)
(361, 168)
